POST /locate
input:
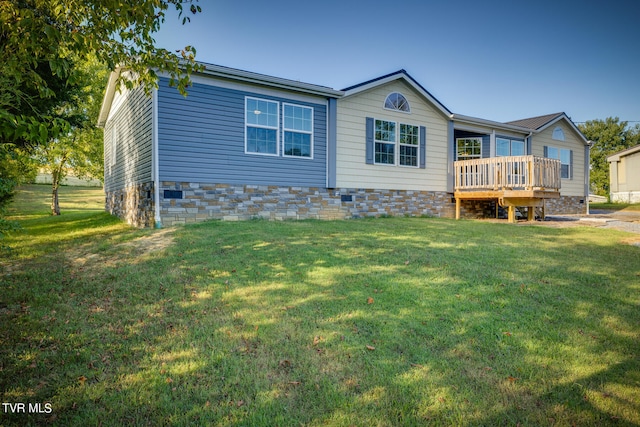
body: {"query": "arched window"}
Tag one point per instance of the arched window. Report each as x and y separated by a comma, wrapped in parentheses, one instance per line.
(397, 101)
(558, 134)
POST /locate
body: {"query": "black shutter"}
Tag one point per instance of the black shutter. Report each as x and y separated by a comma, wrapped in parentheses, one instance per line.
(423, 145)
(369, 141)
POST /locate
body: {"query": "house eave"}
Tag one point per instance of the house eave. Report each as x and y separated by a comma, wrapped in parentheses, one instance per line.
(109, 93)
(398, 75)
(460, 118)
(620, 154)
(563, 116)
(219, 71)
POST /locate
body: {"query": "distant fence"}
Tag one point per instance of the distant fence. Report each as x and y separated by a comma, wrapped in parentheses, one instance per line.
(45, 178)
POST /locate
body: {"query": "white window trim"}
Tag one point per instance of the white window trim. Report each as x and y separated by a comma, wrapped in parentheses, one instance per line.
(376, 141)
(470, 137)
(560, 150)
(285, 129)
(558, 134)
(397, 144)
(276, 128)
(384, 103)
(417, 146)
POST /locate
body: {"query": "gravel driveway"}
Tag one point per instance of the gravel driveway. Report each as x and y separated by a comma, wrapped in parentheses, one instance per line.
(628, 221)
(619, 220)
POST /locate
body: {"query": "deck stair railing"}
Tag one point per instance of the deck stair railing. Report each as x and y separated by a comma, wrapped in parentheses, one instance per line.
(507, 173)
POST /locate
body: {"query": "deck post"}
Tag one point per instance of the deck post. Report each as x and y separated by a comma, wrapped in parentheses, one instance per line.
(457, 208)
(512, 214)
(531, 213)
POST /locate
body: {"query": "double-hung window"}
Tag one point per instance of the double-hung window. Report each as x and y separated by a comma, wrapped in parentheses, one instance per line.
(264, 129)
(262, 121)
(396, 142)
(468, 148)
(564, 155)
(509, 147)
(298, 131)
(408, 145)
(385, 142)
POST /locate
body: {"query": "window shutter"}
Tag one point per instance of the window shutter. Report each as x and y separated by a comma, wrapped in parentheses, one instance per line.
(423, 144)
(570, 164)
(546, 151)
(369, 141)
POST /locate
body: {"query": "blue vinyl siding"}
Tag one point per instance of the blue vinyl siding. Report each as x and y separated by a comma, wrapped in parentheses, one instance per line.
(133, 124)
(202, 139)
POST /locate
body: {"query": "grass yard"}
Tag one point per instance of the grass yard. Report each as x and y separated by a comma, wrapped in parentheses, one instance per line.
(635, 207)
(377, 322)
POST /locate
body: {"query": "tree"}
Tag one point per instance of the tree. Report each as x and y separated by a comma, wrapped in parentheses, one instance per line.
(16, 167)
(80, 149)
(39, 38)
(609, 136)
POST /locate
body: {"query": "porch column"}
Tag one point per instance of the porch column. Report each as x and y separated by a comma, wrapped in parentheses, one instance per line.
(512, 213)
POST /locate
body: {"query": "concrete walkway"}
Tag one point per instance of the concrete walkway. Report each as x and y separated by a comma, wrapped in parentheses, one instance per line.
(620, 220)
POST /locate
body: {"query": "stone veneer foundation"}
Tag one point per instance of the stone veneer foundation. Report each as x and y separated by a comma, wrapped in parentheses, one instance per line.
(133, 204)
(189, 202)
(566, 205)
(239, 202)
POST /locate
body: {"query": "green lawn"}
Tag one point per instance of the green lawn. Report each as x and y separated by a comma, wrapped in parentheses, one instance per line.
(376, 322)
(616, 206)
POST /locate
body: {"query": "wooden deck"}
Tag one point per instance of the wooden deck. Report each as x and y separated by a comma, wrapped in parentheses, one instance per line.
(512, 181)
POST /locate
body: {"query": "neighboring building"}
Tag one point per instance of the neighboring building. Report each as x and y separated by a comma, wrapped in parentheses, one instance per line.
(244, 145)
(624, 175)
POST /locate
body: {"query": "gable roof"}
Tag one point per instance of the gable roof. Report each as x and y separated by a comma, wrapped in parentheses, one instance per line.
(227, 73)
(540, 123)
(626, 152)
(265, 80)
(397, 75)
(535, 122)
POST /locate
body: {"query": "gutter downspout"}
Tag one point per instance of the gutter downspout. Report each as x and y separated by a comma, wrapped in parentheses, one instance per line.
(155, 159)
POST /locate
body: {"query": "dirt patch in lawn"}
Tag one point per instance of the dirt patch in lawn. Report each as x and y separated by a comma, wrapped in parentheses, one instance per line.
(158, 240)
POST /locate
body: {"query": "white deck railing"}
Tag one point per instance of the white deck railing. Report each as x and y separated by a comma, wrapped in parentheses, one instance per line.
(501, 173)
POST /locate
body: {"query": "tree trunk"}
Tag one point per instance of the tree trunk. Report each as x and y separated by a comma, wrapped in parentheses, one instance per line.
(55, 183)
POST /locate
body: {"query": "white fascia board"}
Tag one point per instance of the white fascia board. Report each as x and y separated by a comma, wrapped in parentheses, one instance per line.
(108, 97)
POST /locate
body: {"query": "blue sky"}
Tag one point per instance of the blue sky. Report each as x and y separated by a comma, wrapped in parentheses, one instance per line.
(497, 60)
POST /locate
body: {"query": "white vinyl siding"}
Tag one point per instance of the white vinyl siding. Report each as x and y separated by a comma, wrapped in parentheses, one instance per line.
(352, 171)
(576, 185)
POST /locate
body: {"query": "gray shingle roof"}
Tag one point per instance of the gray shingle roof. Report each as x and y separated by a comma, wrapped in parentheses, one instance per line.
(536, 122)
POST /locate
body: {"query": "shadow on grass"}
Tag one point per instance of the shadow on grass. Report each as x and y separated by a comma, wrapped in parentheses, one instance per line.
(373, 322)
